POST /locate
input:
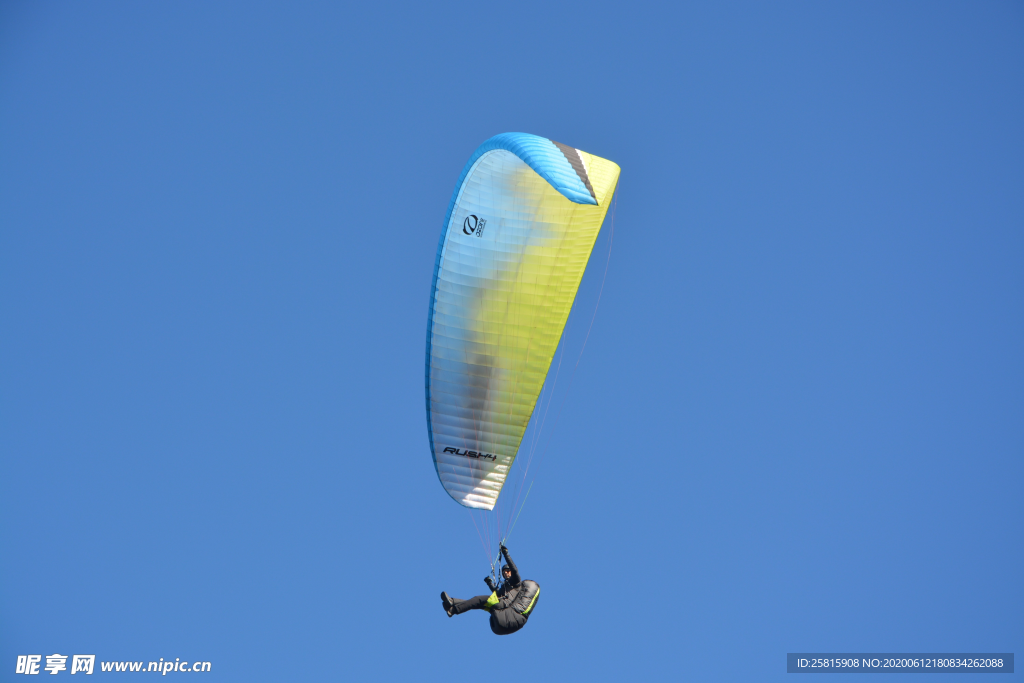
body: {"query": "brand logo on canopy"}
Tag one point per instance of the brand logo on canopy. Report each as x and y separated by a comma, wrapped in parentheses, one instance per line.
(470, 454)
(474, 224)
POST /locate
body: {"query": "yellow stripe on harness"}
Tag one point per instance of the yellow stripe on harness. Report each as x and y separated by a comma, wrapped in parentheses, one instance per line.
(530, 606)
(493, 600)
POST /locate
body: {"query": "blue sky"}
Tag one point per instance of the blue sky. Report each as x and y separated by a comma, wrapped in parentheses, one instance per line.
(796, 426)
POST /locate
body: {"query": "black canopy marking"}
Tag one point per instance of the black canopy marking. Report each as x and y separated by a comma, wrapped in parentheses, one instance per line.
(577, 165)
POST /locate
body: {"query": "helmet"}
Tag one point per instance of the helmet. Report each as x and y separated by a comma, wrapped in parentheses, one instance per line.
(505, 568)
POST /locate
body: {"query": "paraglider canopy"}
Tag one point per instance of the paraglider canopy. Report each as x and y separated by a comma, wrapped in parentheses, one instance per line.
(516, 239)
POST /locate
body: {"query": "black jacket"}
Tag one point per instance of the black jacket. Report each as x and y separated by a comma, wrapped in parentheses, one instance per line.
(508, 588)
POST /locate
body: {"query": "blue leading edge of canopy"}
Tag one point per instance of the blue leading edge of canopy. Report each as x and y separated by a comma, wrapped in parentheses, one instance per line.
(542, 156)
(550, 163)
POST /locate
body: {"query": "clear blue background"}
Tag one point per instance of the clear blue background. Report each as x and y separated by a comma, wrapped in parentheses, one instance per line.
(797, 425)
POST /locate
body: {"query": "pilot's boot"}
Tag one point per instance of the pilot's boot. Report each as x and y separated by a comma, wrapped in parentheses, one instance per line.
(447, 603)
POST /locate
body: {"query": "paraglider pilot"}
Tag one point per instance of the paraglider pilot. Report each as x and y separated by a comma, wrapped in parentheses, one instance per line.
(510, 603)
